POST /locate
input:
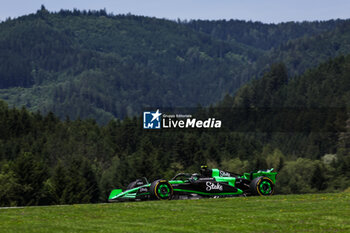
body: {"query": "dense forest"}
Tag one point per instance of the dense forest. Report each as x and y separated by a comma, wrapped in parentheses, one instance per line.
(91, 64)
(45, 160)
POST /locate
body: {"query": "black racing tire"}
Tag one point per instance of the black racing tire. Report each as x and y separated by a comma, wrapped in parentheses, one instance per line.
(262, 186)
(161, 190)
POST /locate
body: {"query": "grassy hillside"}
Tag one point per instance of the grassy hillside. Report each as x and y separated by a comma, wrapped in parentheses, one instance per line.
(281, 213)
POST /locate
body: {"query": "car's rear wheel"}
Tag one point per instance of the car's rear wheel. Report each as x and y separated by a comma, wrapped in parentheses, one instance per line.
(262, 186)
(161, 190)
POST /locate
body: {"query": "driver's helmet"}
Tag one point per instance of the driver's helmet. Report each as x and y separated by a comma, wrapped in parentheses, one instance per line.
(205, 172)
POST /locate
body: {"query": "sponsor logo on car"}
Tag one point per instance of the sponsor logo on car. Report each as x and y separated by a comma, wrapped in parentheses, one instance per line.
(213, 186)
(142, 190)
(224, 174)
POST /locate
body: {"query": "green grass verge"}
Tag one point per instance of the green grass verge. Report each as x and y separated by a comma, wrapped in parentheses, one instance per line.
(280, 213)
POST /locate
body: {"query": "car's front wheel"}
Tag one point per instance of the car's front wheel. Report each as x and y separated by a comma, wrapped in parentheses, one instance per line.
(262, 186)
(161, 190)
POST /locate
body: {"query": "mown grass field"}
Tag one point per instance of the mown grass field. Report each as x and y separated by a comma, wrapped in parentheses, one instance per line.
(280, 213)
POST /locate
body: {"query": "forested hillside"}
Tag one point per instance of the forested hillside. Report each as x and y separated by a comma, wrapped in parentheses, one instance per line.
(300, 45)
(91, 64)
(48, 161)
(260, 35)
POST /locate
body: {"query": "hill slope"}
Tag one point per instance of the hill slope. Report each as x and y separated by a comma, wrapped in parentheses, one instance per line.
(309, 108)
(83, 64)
(95, 65)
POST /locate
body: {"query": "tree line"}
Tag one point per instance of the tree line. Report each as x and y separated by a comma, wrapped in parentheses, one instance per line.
(45, 160)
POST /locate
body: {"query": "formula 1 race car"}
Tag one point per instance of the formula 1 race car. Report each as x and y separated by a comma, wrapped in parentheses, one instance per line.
(209, 183)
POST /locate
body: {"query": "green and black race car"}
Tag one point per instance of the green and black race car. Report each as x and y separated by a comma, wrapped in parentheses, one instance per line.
(209, 183)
